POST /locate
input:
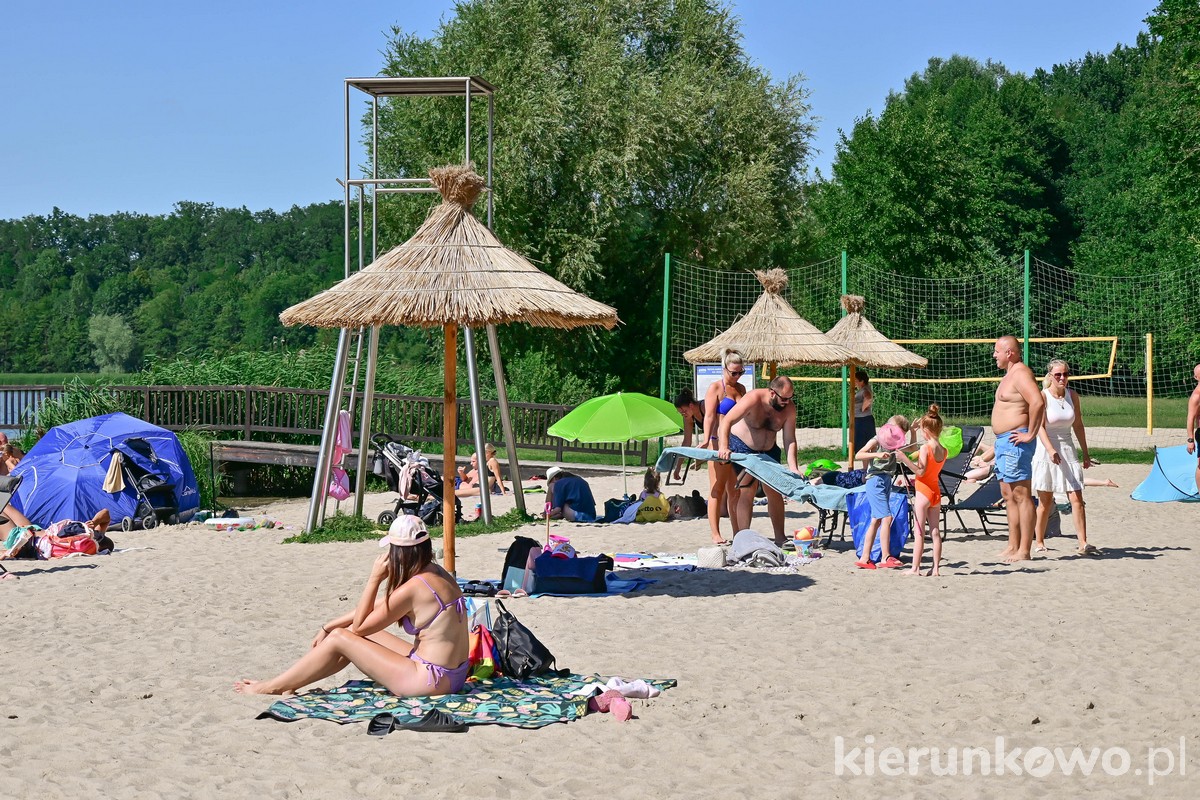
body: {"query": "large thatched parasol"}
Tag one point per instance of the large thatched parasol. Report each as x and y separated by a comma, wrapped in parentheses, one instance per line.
(874, 349)
(452, 273)
(773, 333)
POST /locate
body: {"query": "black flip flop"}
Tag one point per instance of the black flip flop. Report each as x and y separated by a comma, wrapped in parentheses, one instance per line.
(433, 721)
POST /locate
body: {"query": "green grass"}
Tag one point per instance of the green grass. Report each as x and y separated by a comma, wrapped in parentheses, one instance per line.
(1122, 456)
(351, 528)
(1119, 412)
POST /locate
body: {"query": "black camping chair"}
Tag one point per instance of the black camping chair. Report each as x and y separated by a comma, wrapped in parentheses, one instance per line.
(8, 487)
(954, 471)
(988, 502)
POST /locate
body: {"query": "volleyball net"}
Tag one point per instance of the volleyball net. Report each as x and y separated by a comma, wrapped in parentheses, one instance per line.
(1130, 342)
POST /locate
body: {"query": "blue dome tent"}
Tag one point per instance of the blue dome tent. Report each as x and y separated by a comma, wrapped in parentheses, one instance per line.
(1172, 478)
(64, 473)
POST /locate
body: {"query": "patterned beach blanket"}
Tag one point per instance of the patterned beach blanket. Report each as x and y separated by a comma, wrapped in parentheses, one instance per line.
(528, 703)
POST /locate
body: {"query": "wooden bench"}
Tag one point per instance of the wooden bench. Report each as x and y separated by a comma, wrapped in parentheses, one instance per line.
(273, 453)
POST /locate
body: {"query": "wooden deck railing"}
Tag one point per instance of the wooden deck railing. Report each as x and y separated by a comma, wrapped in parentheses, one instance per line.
(270, 412)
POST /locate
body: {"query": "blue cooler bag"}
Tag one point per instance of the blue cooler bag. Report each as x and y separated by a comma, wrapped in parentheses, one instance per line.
(859, 512)
(569, 575)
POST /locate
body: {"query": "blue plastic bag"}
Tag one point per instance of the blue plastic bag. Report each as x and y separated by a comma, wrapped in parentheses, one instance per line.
(859, 512)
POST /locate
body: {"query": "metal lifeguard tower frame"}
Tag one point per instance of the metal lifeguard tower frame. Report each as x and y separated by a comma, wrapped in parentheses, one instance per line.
(469, 88)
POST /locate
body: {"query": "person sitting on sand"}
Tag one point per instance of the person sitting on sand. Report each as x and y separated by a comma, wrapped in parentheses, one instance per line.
(570, 496)
(416, 589)
(468, 480)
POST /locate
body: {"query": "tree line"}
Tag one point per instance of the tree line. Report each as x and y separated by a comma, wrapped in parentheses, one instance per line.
(624, 131)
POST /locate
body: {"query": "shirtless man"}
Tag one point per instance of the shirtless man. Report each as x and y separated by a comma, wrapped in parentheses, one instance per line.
(751, 427)
(1016, 418)
(1193, 420)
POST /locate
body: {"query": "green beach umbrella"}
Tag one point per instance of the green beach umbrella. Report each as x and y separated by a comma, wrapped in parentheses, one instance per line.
(620, 417)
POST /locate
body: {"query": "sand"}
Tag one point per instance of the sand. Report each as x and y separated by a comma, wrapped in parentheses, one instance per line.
(118, 670)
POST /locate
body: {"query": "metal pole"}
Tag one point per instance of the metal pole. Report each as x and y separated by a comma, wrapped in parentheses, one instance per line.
(325, 455)
(364, 433)
(485, 494)
(346, 203)
(1025, 349)
(467, 155)
(666, 318)
(510, 440)
(491, 122)
(845, 372)
(1149, 384)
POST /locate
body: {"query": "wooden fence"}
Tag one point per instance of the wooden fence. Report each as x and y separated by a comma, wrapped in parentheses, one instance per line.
(271, 412)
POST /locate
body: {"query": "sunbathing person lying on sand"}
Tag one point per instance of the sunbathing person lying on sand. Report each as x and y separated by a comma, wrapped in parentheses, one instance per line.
(417, 589)
(984, 461)
(20, 538)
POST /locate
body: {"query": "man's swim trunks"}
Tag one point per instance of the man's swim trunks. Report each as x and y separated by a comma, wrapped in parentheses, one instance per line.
(736, 445)
(1014, 462)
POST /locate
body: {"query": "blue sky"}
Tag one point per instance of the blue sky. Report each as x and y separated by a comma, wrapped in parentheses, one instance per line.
(135, 105)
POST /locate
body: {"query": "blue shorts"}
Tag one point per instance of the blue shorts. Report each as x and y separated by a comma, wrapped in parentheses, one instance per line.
(879, 496)
(736, 445)
(1014, 462)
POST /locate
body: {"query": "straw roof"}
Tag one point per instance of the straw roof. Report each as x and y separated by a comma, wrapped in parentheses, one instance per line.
(452, 271)
(772, 331)
(875, 350)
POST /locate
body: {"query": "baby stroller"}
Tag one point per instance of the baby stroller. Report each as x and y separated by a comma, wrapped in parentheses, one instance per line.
(155, 491)
(399, 464)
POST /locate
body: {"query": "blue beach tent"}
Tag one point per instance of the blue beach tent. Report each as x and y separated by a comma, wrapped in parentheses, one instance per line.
(1172, 478)
(65, 471)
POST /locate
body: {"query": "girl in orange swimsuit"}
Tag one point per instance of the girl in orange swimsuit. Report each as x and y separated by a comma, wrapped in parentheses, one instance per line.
(927, 505)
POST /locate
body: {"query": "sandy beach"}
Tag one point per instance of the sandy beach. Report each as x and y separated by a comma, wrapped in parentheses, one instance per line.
(119, 670)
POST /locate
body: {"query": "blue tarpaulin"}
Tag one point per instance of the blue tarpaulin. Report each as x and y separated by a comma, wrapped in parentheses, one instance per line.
(64, 472)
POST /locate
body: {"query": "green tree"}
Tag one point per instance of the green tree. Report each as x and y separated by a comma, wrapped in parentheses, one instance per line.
(112, 342)
(622, 131)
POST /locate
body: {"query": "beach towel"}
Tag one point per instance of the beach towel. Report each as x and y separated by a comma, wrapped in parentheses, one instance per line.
(770, 472)
(528, 703)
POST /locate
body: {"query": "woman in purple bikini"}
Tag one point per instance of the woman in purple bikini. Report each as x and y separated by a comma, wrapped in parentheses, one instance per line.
(435, 662)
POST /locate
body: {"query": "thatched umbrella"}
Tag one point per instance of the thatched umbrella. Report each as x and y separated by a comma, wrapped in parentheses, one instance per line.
(873, 348)
(452, 273)
(773, 333)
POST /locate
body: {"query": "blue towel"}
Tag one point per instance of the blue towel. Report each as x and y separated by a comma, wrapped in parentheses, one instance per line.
(770, 472)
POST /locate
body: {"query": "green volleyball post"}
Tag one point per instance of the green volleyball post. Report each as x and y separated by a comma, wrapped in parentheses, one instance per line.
(1025, 351)
(662, 369)
(845, 374)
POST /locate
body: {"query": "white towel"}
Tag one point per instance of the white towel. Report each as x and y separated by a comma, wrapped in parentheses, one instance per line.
(114, 481)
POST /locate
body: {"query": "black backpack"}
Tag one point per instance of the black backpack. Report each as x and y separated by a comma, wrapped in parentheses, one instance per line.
(518, 652)
(518, 553)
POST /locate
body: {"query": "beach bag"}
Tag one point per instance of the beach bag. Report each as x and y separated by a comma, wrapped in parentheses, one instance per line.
(482, 654)
(951, 439)
(653, 509)
(519, 654)
(580, 575)
(72, 545)
(614, 508)
(688, 506)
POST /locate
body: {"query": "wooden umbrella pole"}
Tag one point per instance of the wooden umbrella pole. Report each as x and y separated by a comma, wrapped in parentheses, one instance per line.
(850, 442)
(449, 438)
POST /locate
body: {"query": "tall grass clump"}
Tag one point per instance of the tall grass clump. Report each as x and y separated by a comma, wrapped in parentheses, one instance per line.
(79, 400)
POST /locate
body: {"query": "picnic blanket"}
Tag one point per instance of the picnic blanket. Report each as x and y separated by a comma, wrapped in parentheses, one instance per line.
(770, 472)
(526, 703)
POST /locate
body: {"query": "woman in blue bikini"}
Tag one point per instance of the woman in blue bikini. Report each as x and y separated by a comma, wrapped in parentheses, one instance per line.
(719, 400)
(434, 663)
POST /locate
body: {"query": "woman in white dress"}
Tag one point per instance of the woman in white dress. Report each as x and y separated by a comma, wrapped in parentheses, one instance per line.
(1057, 468)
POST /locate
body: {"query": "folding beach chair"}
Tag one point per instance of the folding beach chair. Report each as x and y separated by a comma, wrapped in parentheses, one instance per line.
(8, 487)
(989, 504)
(954, 471)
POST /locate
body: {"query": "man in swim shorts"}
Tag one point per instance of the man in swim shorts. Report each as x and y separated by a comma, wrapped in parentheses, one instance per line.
(1193, 421)
(752, 426)
(1016, 418)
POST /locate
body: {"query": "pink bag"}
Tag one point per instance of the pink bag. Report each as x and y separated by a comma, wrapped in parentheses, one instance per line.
(339, 481)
